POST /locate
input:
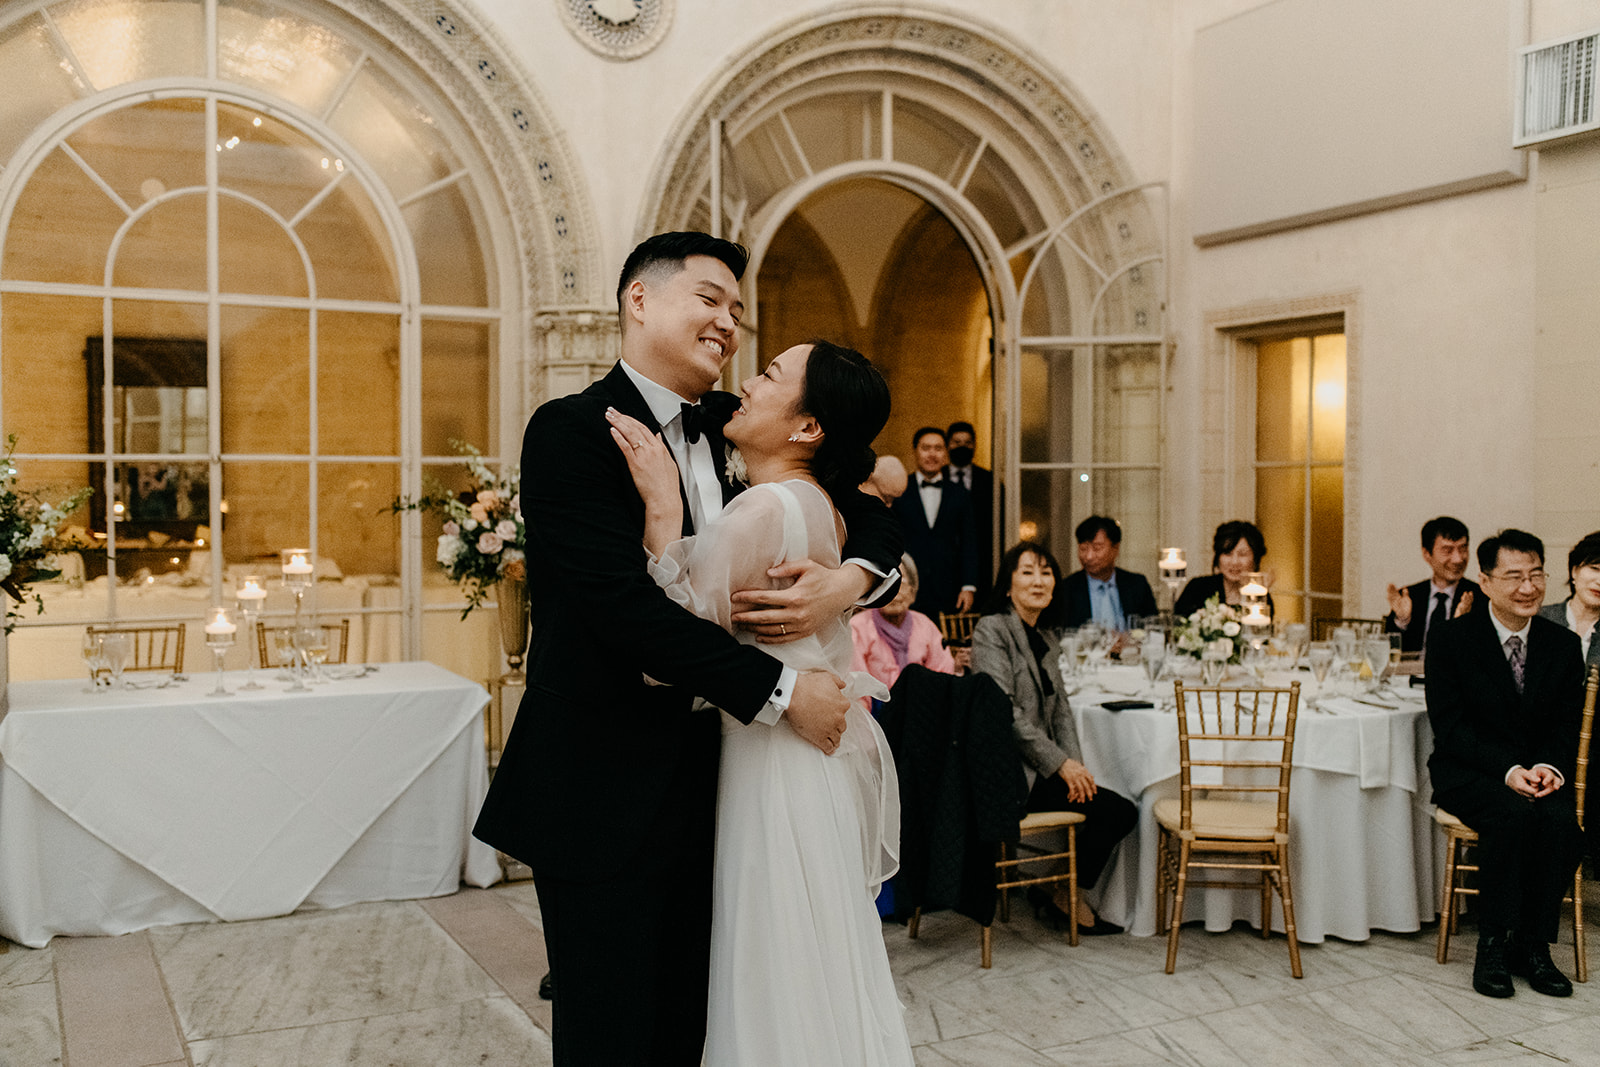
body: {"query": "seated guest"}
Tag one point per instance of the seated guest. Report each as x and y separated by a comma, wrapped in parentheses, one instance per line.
(1505, 696)
(887, 480)
(1102, 592)
(1017, 643)
(1236, 549)
(1414, 609)
(1580, 611)
(888, 638)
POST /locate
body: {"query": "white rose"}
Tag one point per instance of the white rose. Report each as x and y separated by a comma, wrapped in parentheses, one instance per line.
(449, 548)
(507, 529)
(1230, 628)
(5, 566)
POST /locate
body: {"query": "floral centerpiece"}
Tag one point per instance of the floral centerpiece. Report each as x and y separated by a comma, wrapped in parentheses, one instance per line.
(484, 539)
(30, 533)
(1214, 621)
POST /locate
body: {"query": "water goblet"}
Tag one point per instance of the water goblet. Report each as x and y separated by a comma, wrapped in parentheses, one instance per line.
(1214, 663)
(314, 646)
(1375, 656)
(287, 655)
(1069, 653)
(118, 649)
(1153, 654)
(1319, 656)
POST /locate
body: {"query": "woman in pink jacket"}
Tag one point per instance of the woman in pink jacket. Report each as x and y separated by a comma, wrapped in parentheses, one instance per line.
(888, 638)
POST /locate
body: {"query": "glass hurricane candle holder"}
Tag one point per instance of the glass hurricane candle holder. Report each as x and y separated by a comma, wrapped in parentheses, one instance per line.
(298, 574)
(250, 595)
(220, 633)
(1174, 569)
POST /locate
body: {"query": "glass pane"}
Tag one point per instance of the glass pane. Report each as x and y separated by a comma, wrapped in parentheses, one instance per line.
(267, 510)
(62, 227)
(836, 129)
(1133, 498)
(1280, 512)
(1046, 414)
(270, 161)
(354, 528)
(1327, 530)
(1283, 370)
(1328, 398)
(444, 232)
(286, 54)
(146, 150)
(351, 253)
(1131, 302)
(266, 380)
(765, 163)
(394, 134)
(120, 41)
(45, 387)
(165, 248)
(993, 191)
(930, 140)
(1050, 500)
(358, 384)
(1127, 404)
(38, 82)
(455, 386)
(255, 254)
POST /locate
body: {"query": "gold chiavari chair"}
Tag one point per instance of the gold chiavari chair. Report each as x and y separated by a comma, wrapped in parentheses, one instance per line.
(1322, 628)
(338, 634)
(155, 648)
(956, 627)
(1218, 729)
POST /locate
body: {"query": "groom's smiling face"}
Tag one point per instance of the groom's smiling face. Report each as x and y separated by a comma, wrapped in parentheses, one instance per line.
(688, 321)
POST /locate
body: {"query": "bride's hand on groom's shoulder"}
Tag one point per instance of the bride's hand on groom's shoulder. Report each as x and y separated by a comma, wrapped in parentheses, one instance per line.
(817, 710)
(820, 594)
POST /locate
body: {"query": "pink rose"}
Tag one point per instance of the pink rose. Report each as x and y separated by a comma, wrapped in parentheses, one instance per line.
(453, 528)
(507, 529)
(488, 498)
(490, 543)
(479, 513)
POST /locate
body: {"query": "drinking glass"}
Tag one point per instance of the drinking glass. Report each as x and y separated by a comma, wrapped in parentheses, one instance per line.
(1298, 634)
(118, 650)
(1213, 664)
(1375, 654)
(1319, 656)
(1344, 643)
(285, 654)
(1069, 653)
(314, 645)
(94, 655)
(1153, 654)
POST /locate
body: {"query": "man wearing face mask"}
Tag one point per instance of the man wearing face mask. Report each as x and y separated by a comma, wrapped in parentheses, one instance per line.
(979, 483)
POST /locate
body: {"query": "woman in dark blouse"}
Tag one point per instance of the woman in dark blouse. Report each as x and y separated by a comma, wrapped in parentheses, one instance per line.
(1236, 549)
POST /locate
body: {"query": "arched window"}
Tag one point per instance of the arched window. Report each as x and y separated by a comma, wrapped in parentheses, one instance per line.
(251, 291)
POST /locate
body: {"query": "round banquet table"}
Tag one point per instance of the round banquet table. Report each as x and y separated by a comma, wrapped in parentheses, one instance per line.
(1363, 851)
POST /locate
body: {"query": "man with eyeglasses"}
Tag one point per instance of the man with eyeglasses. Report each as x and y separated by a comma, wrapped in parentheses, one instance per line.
(1505, 695)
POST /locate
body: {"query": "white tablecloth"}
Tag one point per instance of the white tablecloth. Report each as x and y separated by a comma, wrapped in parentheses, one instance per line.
(124, 810)
(1362, 840)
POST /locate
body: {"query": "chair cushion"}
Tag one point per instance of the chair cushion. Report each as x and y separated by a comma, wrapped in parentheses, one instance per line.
(1241, 820)
(1038, 821)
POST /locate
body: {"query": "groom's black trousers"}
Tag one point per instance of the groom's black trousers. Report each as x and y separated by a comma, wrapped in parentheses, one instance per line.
(630, 955)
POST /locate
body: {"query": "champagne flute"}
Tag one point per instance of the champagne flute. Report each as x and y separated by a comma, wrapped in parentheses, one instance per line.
(1319, 656)
(94, 655)
(1298, 634)
(316, 650)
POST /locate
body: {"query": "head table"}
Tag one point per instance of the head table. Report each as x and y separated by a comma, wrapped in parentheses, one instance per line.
(1362, 847)
(132, 808)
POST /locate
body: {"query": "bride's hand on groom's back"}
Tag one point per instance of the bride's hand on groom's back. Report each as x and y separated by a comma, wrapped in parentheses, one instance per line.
(819, 595)
(817, 709)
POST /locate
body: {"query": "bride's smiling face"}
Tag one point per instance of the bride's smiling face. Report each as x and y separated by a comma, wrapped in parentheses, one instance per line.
(770, 413)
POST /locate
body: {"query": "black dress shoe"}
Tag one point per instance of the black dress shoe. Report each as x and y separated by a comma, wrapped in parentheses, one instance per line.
(1100, 928)
(547, 988)
(1533, 962)
(1491, 975)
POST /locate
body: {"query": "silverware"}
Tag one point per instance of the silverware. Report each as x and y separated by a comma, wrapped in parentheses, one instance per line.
(1375, 704)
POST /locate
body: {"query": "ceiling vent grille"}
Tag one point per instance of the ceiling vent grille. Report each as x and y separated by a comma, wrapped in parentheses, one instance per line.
(1556, 86)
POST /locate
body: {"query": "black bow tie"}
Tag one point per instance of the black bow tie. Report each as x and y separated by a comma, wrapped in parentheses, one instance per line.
(932, 483)
(710, 414)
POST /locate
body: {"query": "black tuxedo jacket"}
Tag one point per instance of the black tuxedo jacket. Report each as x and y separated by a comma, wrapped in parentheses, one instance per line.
(594, 747)
(947, 552)
(1411, 636)
(982, 495)
(1133, 590)
(1482, 727)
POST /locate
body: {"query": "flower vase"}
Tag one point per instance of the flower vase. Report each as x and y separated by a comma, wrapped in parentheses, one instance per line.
(514, 622)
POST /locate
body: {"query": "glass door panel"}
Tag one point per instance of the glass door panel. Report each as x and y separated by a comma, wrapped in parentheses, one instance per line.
(449, 253)
(273, 48)
(165, 248)
(455, 386)
(358, 384)
(255, 254)
(355, 529)
(119, 41)
(38, 82)
(147, 149)
(47, 244)
(266, 380)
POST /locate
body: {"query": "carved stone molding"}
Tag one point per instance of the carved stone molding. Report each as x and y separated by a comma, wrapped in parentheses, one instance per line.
(572, 348)
(617, 29)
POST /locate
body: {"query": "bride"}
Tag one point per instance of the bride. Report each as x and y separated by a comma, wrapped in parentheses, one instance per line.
(799, 975)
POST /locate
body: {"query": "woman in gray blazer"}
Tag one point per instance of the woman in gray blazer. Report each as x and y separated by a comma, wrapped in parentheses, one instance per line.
(1017, 643)
(1581, 610)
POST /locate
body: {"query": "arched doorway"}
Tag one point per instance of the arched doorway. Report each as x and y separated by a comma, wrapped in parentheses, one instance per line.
(883, 161)
(296, 256)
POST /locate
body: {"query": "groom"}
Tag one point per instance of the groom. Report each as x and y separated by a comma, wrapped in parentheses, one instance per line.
(607, 787)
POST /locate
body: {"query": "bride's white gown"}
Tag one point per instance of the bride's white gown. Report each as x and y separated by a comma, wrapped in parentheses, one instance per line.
(799, 975)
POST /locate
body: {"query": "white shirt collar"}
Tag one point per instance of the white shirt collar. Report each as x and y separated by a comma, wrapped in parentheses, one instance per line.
(1447, 590)
(664, 404)
(1502, 632)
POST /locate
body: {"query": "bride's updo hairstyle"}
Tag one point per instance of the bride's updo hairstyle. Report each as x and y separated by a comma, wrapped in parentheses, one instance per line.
(850, 401)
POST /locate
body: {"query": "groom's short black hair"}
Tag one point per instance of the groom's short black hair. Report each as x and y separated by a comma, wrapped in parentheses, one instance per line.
(669, 250)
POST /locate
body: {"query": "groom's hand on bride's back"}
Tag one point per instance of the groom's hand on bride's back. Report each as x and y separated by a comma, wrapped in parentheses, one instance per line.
(816, 711)
(819, 594)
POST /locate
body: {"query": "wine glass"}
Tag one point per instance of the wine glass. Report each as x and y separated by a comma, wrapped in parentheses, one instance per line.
(314, 646)
(1319, 655)
(1298, 634)
(1213, 663)
(287, 655)
(118, 648)
(1375, 654)
(1069, 653)
(94, 655)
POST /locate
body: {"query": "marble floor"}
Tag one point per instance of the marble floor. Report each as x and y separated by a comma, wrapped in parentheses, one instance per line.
(453, 980)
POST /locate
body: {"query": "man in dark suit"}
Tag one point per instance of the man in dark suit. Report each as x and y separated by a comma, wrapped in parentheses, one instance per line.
(1505, 696)
(595, 748)
(1414, 609)
(979, 483)
(1103, 592)
(940, 532)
